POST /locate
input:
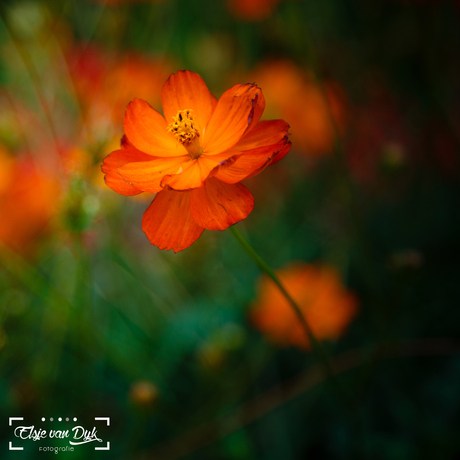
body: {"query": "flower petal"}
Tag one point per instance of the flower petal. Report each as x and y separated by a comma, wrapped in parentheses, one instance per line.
(274, 159)
(146, 129)
(187, 90)
(194, 173)
(249, 163)
(167, 222)
(188, 177)
(216, 206)
(147, 175)
(125, 143)
(258, 108)
(114, 161)
(239, 107)
(267, 132)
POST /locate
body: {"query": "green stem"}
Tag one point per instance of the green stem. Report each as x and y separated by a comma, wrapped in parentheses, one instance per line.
(316, 345)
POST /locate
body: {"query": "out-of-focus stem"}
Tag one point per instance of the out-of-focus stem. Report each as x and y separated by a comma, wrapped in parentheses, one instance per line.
(203, 435)
(316, 345)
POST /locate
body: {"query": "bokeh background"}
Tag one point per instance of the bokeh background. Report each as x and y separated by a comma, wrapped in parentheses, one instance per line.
(194, 355)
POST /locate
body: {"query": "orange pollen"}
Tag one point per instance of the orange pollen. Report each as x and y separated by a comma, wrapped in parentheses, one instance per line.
(183, 126)
(184, 130)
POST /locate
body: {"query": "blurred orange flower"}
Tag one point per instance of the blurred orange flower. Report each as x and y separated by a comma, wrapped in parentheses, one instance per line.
(75, 161)
(28, 199)
(294, 95)
(133, 76)
(194, 157)
(144, 393)
(104, 84)
(319, 293)
(119, 2)
(252, 10)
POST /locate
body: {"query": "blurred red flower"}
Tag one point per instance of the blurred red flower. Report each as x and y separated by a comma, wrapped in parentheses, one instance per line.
(378, 137)
(319, 293)
(194, 157)
(252, 10)
(312, 111)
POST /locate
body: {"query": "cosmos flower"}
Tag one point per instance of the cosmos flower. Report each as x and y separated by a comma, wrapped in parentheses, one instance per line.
(194, 157)
(320, 295)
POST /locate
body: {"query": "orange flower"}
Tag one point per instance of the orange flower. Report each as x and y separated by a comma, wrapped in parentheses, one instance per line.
(194, 157)
(28, 199)
(319, 293)
(293, 94)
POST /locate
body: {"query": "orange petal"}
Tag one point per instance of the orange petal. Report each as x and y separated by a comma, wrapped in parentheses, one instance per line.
(263, 134)
(194, 173)
(258, 109)
(146, 129)
(187, 90)
(237, 109)
(114, 161)
(167, 222)
(147, 175)
(248, 163)
(125, 143)
(216, 206)
(186, 178)
(274, 159)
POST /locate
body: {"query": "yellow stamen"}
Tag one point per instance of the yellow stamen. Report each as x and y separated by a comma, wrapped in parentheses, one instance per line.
(184, 129)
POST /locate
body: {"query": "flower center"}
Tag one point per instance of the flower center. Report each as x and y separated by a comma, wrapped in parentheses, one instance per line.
(184, 130)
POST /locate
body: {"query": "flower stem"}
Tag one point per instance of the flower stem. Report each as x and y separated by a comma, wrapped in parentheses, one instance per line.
(316, 345)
